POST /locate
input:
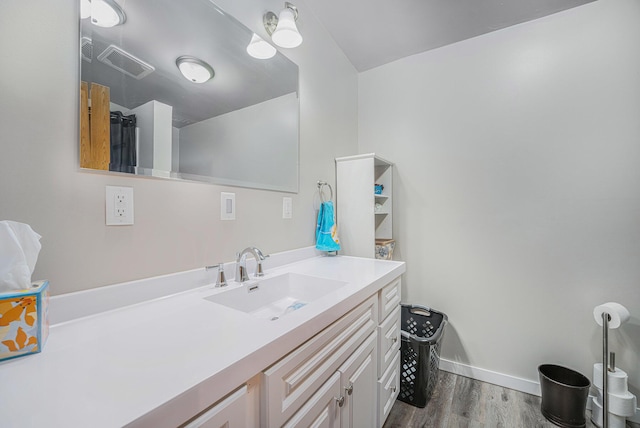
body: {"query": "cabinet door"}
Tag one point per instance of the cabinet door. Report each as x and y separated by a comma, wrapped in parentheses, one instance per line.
(229, 413)
(358, 386)
(321, 410)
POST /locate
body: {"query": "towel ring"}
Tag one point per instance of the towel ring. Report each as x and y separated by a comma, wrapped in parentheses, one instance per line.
(321, 185)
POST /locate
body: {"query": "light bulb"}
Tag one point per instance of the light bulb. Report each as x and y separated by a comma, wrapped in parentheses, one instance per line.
(286, 34)
(260, 49)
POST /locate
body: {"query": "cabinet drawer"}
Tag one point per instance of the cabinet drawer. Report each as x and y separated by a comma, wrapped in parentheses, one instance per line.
(389, 298)
(388, 389)
(230, 412)
(388, 340)
(289, 383)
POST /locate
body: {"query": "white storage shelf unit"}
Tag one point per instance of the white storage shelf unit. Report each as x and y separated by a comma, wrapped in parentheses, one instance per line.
(362, 215)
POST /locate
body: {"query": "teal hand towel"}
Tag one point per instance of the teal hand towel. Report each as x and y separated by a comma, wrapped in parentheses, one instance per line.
(326, 231)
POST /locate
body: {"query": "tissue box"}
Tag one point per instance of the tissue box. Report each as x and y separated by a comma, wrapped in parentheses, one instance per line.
(24, 321)
(384, 249)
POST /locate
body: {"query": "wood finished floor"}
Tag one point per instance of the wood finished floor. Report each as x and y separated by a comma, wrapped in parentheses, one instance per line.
(461, 402)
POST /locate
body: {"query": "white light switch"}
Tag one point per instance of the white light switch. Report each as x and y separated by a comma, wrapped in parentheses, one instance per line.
(227, 206)
(287, 207)
(119, 206)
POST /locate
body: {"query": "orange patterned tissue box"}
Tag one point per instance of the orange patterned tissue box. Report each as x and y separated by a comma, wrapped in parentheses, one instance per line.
(24, 322)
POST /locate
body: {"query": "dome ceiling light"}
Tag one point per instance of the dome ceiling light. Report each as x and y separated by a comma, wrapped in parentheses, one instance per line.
(194, 69)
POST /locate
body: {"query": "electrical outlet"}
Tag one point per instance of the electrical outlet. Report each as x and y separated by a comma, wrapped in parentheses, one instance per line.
(119, 206)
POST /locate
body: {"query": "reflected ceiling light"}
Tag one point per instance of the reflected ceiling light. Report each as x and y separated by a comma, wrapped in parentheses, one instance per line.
(85, 9)
(260, 49)
(194, 69)
(106, 13)
(282, 29)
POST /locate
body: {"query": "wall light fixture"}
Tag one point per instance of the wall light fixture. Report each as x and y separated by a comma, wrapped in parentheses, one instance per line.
(282, 29)
(194, 69)
(260, 49)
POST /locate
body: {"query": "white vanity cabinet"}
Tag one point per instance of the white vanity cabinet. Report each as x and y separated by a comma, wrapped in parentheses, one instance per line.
(301, 375)
(345, 399)
(345, 376)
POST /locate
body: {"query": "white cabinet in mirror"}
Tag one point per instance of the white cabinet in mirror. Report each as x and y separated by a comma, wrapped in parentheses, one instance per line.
(141, 115)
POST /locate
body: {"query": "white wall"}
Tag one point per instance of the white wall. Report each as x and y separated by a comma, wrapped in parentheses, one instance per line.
(264, 135)
(517, 188)
(177, 224)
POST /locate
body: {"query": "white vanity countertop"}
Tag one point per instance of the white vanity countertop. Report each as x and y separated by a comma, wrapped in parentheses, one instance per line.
(159, 362)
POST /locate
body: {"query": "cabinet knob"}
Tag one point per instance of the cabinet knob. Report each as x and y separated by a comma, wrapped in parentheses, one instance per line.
(340, 401)
(393, 389)
(349, 389)
(395, 339)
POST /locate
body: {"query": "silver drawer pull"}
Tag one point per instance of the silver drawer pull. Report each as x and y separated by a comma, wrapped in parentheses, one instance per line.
(340, 401)
(349, 389)
(393, 389)
(394, 339)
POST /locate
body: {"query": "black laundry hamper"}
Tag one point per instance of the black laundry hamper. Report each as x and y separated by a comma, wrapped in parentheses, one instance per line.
(421, 332)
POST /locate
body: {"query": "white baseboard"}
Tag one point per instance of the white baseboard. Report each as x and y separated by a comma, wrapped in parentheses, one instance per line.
(506, 381)
(500, 379)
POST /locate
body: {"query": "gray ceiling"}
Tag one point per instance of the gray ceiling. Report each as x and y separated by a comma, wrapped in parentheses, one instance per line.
(370, 32)
(375, 32)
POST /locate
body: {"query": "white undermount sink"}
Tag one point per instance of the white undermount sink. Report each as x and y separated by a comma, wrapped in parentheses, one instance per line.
(272, 298)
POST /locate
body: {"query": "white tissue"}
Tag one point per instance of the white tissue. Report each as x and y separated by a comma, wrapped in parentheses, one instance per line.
(617, 383)
(619, 404)
(618, 313)
(615, 421)
(19, 248)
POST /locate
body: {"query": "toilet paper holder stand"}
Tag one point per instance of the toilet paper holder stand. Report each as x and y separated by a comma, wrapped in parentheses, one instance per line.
(605, 368)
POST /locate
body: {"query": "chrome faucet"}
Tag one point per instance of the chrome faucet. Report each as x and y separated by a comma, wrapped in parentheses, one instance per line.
(241, 263)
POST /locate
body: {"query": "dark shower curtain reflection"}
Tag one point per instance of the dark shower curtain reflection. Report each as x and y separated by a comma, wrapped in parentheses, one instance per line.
(123, 142)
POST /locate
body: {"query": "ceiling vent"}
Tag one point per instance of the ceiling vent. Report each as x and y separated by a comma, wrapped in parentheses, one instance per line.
(86, 47)
(124, 62)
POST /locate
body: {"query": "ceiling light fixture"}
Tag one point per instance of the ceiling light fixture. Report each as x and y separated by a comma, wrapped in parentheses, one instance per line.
(282, 29)
(260, 49)
(107, 13)
(194, 69)
(85, 9)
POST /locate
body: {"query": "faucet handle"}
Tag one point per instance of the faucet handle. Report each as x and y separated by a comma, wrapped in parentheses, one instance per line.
(221, 280)
(261, 256)
(259, 270)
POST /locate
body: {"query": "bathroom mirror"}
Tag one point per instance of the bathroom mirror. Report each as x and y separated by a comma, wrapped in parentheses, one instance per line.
(140, 114)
